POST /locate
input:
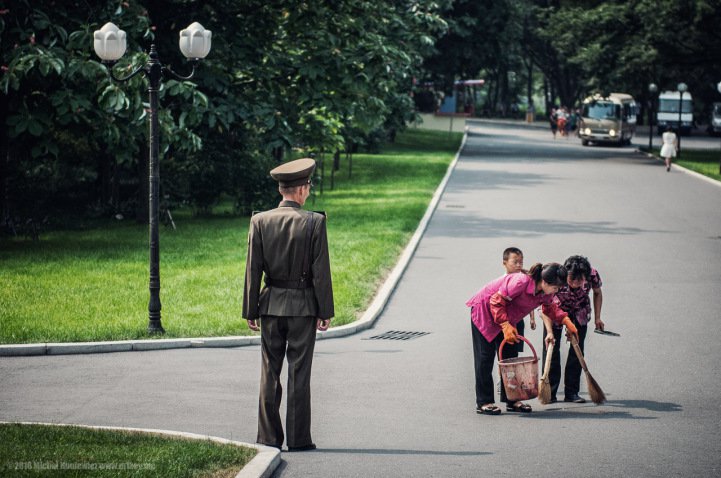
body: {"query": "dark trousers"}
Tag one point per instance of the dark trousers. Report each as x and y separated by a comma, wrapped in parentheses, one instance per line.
(484, 357)
(572, 372)
(521, 328)
(294, 338)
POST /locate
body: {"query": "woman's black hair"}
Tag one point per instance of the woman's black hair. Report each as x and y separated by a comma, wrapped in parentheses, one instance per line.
(553, 273)
(577, 267)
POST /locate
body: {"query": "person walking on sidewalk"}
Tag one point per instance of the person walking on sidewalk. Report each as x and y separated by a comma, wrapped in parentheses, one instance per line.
(574, 299)
(495, 311)
(290, 246)
(670, 147)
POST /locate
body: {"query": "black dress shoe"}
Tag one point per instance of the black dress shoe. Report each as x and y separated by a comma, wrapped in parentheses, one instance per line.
(302, 448)
(553, 400)
(575, 399)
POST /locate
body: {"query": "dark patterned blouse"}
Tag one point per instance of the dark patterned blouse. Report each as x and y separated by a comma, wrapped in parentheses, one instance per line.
(576, 301)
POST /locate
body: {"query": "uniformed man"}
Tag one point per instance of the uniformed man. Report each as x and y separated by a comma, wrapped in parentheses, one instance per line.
(290, 246)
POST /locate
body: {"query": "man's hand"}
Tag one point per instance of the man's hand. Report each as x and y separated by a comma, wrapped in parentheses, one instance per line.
(323, 324)
(600, 325)
(253, 325)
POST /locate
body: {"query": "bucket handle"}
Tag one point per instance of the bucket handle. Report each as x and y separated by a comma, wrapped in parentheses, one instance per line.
(500, 349)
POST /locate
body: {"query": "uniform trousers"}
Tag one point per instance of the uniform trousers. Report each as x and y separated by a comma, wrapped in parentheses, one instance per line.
(294, 338)
(484, 357)
(572, 372)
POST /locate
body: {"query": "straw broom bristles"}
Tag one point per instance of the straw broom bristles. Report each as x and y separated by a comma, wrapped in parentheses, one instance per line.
(544, 386)
(594, 389)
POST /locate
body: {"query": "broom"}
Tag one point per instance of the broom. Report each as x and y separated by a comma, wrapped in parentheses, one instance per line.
(544, 386)
(594, 390)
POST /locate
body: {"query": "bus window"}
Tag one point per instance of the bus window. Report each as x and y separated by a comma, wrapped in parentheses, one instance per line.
(599, 110)
(671, 106)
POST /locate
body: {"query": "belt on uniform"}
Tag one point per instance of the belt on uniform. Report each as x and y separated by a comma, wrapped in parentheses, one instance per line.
(289, 284)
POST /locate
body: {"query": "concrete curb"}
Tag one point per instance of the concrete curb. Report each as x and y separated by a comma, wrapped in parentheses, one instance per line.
(261, 466)
(365, 322)
(683, 169)
(124, 345)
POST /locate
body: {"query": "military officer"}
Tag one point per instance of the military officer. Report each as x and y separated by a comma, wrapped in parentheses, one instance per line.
(290, 246)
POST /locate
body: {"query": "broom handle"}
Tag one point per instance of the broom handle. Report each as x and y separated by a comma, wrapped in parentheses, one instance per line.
(547, 365)
(579, 354)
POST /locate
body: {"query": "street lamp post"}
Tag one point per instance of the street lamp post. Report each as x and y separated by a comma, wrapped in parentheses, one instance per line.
(652, 89)
(110, 43)
(681, 89)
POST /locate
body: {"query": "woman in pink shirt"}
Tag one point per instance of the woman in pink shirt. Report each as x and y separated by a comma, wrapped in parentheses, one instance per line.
(495, 311)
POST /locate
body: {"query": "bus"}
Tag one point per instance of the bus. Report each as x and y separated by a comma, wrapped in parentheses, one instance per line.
(609, 119)
(667, 115)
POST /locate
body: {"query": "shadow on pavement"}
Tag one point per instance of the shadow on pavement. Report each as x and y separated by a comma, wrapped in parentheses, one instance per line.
(475, 180)
(591, 411)
(381, 451)
(461, 225)
(646, 404)
(582, 412)
(386, 451)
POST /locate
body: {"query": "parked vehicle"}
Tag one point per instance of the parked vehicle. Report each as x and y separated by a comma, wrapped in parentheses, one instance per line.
(610, 119)
(667, 115)
(714, 122)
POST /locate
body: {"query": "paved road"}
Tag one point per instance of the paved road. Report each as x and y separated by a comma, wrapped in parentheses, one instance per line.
(391, 408)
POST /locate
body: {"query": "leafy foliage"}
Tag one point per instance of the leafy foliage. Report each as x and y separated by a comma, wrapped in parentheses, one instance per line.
(282, 74)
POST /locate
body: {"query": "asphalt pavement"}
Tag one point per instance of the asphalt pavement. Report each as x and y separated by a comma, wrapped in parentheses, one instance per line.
(406, 407)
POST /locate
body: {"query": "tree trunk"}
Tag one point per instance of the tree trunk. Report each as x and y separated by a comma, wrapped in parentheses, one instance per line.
(529, 85)
(4, 159)
(104, 184)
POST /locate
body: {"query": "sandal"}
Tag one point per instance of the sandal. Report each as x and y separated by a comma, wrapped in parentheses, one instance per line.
(519, 407)
(488, 409)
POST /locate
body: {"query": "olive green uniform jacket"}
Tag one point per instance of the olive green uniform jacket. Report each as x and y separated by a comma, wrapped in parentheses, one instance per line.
(276, 244)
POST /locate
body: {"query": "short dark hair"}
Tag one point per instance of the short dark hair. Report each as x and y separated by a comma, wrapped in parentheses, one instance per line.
(511, 250)
(577, 267)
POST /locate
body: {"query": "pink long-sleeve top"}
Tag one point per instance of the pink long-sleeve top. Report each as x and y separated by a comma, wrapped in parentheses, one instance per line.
(515, 297)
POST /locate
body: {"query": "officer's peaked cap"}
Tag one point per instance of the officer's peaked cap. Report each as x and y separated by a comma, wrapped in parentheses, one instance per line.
(294, 173)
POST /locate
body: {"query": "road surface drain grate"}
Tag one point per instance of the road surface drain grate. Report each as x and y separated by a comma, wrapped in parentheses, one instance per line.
(398, 335)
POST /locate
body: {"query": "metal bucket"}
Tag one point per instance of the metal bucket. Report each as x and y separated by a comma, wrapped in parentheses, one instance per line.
(519, 374)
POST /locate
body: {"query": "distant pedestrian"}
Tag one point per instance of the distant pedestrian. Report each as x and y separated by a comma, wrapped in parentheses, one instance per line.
(562, 120)
(495, 311)
(290, 246)
(553, 119)
(670, 146)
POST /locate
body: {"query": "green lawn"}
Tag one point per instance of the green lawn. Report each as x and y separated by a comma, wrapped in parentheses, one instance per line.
(39, 450)
(703, 161)
(91, 285)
